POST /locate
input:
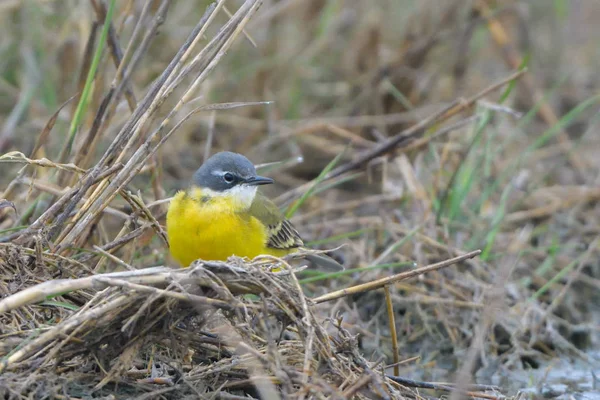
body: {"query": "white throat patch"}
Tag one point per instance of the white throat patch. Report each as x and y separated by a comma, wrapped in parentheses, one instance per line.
(241, 195)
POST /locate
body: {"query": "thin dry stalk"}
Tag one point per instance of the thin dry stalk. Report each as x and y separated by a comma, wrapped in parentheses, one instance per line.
(414, 131)
(392, 322)
(376, 284)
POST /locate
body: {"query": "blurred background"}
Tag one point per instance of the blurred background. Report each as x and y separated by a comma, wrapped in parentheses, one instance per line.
(518, 177)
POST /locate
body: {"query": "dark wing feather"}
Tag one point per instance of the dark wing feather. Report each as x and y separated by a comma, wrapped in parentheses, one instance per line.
(283, 236)
(281, 233)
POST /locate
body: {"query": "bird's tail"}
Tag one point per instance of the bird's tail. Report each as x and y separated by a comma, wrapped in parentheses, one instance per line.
(323, 260)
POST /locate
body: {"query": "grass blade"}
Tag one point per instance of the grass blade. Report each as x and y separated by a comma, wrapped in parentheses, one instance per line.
(296, 205)
(83, 100)
(338, 274)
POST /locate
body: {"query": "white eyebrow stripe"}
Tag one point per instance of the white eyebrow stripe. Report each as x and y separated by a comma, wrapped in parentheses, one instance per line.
(217, 172)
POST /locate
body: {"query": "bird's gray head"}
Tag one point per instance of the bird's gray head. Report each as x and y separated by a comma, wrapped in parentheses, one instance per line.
(228, 173)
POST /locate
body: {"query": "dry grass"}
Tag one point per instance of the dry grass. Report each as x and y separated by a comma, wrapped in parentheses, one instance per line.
(214, 339)
(458, 142)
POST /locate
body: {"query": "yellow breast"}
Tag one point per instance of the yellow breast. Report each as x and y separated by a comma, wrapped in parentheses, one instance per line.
(210, 228)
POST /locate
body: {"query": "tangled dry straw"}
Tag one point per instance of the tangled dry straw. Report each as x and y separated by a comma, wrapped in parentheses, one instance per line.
(195, 330)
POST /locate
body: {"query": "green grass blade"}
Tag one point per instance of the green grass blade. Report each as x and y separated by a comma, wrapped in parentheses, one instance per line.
(533, 111)
(496, 223)
(13, 229)
(544, 267)
(392, 249)
(338, 274)
(462, 181)
(326, 18)
(398, 95)
(565, 121)
(60, 304)
(561, 274)
(512, 84)
(295, 205)
(510, 170)
(87, 88)
(338, 182)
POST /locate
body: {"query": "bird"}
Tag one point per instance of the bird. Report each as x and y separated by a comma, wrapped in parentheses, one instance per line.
(222, 214)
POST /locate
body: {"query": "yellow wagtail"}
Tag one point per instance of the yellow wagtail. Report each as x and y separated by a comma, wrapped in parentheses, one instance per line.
(222, 214)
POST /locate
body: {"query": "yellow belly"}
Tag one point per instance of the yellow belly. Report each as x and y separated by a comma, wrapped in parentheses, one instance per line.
(212, 230)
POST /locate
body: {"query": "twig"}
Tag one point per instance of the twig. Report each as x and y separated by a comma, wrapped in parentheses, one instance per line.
(376, 284)
(406, 361)
(403, 137)
(113, 258)
(392, 322)
(18, 157)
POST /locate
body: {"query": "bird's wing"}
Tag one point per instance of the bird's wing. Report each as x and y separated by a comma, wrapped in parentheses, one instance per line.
(281, 233)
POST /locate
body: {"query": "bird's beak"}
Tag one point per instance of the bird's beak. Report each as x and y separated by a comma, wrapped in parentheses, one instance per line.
(258, 180)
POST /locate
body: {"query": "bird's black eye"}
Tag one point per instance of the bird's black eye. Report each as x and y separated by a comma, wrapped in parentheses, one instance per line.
(229, 178)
